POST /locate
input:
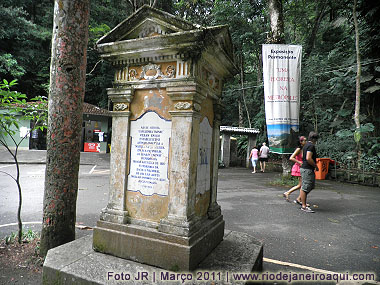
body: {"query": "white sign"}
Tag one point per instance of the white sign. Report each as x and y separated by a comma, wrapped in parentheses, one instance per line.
(150, 138)
(282, 77)
(24, 132)
(204, 156)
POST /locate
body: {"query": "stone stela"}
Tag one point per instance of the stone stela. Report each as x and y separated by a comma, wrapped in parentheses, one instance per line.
(169, 73)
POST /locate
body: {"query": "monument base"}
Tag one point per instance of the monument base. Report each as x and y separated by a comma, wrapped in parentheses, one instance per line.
(149, 246)
(77, 263)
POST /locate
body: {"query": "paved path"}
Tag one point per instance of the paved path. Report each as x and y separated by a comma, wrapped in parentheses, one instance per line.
(342, 236)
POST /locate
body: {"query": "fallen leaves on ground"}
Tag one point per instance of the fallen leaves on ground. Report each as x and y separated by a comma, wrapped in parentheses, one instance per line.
(21, 255)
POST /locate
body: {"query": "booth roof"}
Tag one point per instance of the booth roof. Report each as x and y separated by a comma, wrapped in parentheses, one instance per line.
(90, 109)
(237, 130)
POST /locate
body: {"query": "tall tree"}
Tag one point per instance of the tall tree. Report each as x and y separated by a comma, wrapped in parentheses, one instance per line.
(357, 135)
(67, 86)
(277, 36)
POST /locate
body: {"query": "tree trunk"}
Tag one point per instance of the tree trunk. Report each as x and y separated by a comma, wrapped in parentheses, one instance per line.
(277, 37)
(240, 106)
(286, 165)
(67, 86)
(276, 22)
(358, 74)
(242, 79)
(311, 41)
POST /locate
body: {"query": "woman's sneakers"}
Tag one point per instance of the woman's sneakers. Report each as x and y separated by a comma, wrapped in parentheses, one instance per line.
(307, 210)
(299, 203)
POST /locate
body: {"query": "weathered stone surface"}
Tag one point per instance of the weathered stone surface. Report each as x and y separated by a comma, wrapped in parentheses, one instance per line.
(77, 263)
(169, 76)
(152, 247)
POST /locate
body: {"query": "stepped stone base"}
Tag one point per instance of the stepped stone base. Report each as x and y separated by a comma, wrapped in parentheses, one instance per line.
(77, 263)
(149, 246)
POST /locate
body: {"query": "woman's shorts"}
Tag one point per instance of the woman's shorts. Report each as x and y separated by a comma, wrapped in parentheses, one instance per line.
(254, 162)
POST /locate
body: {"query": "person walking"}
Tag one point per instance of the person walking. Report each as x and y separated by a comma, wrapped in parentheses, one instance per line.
(296, 157)
(263, 156)
(254, 156)
(309, 164)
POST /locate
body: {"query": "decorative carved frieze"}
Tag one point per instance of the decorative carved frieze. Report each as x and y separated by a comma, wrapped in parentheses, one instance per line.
(151, 72)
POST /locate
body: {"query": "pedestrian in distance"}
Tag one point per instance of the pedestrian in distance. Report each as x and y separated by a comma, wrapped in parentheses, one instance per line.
(296, 157)
(263, 156)
(309, 165)
(254, 156)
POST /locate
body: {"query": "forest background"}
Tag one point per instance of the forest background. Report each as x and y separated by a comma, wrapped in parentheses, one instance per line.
(324, 28)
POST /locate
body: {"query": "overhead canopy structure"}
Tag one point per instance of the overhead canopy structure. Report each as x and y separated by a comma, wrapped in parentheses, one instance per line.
(226, 132)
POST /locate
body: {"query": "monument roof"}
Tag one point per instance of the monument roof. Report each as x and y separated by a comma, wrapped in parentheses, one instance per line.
(238, 130)
(146, 22)
(149, 35)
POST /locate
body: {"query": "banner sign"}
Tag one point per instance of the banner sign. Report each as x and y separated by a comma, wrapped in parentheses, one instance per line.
(91, 147)
(282, 78)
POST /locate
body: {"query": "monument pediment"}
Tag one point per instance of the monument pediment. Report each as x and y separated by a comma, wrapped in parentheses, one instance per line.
(150, 35)
(147, 22)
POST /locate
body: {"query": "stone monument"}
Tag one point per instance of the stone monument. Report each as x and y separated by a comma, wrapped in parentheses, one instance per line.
(169, 74)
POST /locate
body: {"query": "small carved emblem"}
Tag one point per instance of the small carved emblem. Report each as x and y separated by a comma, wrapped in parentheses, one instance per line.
(121, 107)
(197, 107)
(150, 71)
(132, 74)
(182, 106)
(212, 81)
(170, 72)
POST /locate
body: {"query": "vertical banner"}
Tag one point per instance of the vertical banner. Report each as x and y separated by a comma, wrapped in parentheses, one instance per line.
(282, 78)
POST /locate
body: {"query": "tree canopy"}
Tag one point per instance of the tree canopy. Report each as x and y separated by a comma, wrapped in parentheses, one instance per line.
(324, 28)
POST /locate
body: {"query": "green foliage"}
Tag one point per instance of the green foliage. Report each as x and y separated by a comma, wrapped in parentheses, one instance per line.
(323, 28)
(284, 180)
(26, 237)
(15, 108)
(242, 144)
(9, 65)
(25, 34)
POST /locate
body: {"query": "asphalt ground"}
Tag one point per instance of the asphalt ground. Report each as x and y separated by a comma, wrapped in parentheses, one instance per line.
(342, 236)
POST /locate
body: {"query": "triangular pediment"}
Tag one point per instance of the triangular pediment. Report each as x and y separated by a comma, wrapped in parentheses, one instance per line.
(147, 22)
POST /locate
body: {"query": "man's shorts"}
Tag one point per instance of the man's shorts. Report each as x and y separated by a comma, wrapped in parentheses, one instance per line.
(263, 159)
(308, 179)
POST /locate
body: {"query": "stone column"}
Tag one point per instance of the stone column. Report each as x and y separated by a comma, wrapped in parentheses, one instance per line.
(181, 219)
(250, 145)
(226, 145)
(116, 211)
(214, 210)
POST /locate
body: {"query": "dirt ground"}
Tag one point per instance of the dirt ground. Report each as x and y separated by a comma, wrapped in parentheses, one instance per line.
(19, 263)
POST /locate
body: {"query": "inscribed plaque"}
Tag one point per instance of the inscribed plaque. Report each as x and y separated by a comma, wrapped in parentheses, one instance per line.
(150, 138)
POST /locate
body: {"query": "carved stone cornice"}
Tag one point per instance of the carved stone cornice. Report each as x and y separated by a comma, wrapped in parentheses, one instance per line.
(190, 113)
(120, 95)
(190, 93)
